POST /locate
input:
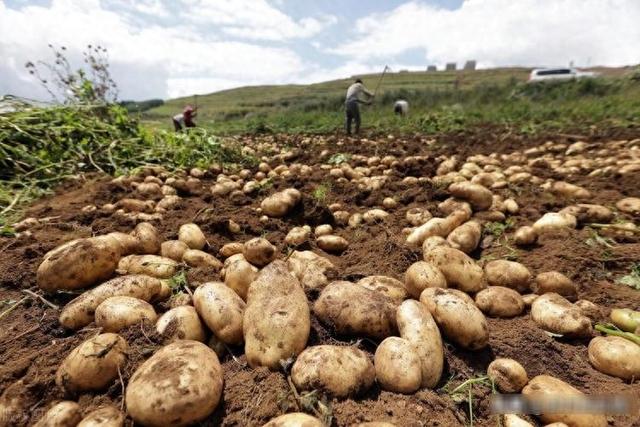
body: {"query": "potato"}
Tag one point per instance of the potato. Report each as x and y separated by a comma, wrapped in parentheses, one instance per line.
(553, 281)
(585, 212)
(421, 275)
(436, 227)
(589, 309)
(355, 220)
(192, 235)
(416, 325)
(259, 251)
(528, 299)
(332, 243)
(566, 189)
(294, 419)
(550, 387)
(310, 269)
(554, 221)
(181, 323)
(498, 301)
(276, 321)
(433, 242)
(116, 313)
(62, 414)
(136, 205)
(79, 263)
(626, 319)
(340, 371)
(525, 236)
(279, 204)
(323, 230)
(128, 243)
(629, 205)
(465, 237)
(509, 274)
(508, 375)
(457, 316)
(398, 366)
(105, 416)
(375, 424)
(148, 238)
(417, 216)
(80, 311)
(238, 275)
(82, 371)
(458, 268)
(173, 249)
(231, 249)
(179, 385)
(198, 258)
(390, 287)
(555, 314)
(151, 265)
(451, 205)
(297, 236)
(615, 356)
(373, 216)
(512, 420)
(222, 310)
(477, 195)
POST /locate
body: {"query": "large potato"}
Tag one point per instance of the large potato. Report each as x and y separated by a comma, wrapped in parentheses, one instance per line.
(615, 356)
(508, 375)
(436, 227)
(148, 238)
(498, 301)
(466, 237)
(151, 265)
(554, 221)
(339, 370)
(555, 314)
(477, 195)
(62, 414)
(553, 281)
(550, 387)
(222, 310)
(128, 243)
(509, 274)
(421, 275)
(79, 263)
(192, 235)
(179, 385)
(80, 311)
(173, 249)
(295, 419)
(417, 326)
(92, 365)
(277, 321)
(352, 309)
(198, 258)
(398, 366)
(310, 269)
(238, 275)
(457, 316)
(259, 251)
(458, 268)
(433, 242)
(116, 313)
(105, 416)
(279, 204)
(390, 287)
(181, 323)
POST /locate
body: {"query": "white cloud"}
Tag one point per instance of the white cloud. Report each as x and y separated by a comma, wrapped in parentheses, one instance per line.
(504, 32)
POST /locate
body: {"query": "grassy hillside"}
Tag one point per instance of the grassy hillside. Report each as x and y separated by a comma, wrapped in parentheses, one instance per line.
(440, 101)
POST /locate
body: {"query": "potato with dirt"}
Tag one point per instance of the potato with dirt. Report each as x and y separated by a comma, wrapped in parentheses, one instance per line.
(421, 275)
(276, 322)
(352, 309)
(104, 416)
(555, 314)
(259, 251)
(150, 265)
(615, 356)
(466, 236)
(398, 366)
(181, 323)
(498, 301)
(192, 236)
(62, 414)
(222, 310)
(238, 275)
(310, 269)
(201, 259)
(128, 243)
(525, 236)
(508, 274)
(457, 317)
(148, 238)
(458, 268)
(119, 312)
(332, 243)
(298, 235)
(587, 212)
(341, 371)
(477, 195)
(179, 385)
(388, 286)
(80, 311)
(93, 364)
(173, 249)
(436, 227)
(508, 375)
(554, 221)
(629, 205)
(295, 419)
(279, 204)
(554, 281)
(79, 263)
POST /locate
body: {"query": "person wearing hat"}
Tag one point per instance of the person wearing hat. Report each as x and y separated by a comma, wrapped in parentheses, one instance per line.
(186, 118)
(355, 95)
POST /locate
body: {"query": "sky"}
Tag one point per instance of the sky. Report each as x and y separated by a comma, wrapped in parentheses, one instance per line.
(165, 49)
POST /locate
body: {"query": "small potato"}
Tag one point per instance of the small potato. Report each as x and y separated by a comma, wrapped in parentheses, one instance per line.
(277, 322)
(589, 309)
(294, 419)
(63, 414)
(421, 275)
(465, 237)
(80, 311)
(553, 281)
(433, 242)
(79, 263)
(458, 268)
(198, 258)
(323, 230)
(512, 420)
(615, 356)
(548, 386)
(279, 204)
(525, 236)
(436, 227)
(339, 370)
(190, 377)
(498, 301)
(457, 316)
(508, 375)
(585, 212)
(417, 216)
(192, 235)
(150, 265)
(148, 238)
(173, 249)
(555, 314)
(355, 310)
(116, 313)
(259, 251)
(477, 195)
(297, 236)
(626, 319)
(528, 299)
(332, 243)
(222, 310)
(390, 287)
(181, 323)
(566, 189)
(451, 205)
(554, 221)
(310, 269)
(105, 416)
(629, 205)
(238, 275)
(128, 243)
(398, 366)
(231, 249)
(509, 274)
(82, 371)
(373, 216)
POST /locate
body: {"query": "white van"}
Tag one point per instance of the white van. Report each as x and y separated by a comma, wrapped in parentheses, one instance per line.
(541, 74)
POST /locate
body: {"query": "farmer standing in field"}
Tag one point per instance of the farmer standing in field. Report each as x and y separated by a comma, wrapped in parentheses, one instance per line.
(185, 117)
(352, 109)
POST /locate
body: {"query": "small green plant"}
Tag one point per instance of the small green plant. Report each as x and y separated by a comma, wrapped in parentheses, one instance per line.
(464, 391)
(595, 240)
(178, 282)
(497, 229)
(339, 158)
(633, 278)
(321, 191)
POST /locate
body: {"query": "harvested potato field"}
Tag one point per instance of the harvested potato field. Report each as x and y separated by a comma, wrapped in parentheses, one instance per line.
(354, 280)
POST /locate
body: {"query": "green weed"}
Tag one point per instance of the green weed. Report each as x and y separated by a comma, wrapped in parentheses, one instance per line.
(633, 278)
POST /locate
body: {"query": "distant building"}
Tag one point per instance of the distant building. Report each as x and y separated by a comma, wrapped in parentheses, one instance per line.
(451, 66)
(470, 65)
(431, 68)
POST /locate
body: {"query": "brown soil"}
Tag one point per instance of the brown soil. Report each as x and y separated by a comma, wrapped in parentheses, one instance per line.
(32, 343)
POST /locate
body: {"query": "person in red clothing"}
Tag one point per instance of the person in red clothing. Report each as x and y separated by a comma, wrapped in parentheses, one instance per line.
(186, 118)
